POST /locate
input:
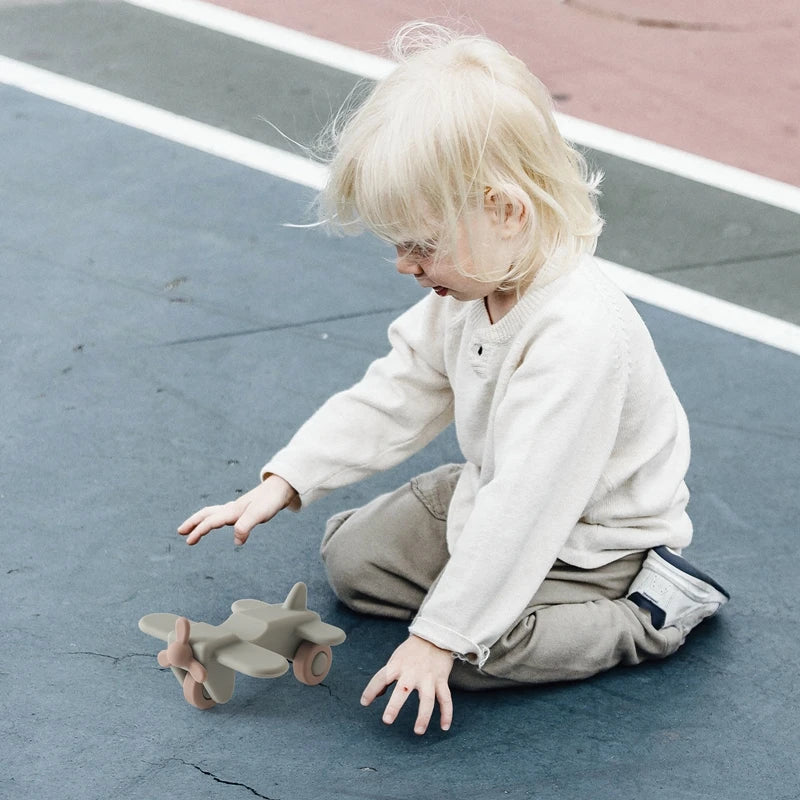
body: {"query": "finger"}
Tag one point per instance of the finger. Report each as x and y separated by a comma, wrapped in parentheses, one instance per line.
(396, 701)
(426, 702)
(241, 531)
(253, 514)
(226, 515)
(445, 706)
(187, 525)
(375, 688)
(202, 529)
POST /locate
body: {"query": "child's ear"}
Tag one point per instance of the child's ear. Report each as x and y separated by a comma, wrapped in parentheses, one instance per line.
(509, 209)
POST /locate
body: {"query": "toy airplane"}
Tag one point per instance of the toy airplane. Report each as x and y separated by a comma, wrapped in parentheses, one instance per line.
(258, 639)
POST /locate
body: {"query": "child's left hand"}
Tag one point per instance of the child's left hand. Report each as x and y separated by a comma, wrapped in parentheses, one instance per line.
(415, 665)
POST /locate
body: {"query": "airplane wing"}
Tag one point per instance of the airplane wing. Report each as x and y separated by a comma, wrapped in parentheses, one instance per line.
(158, 625)
(250, 659)
(320, 632)
(248, 606)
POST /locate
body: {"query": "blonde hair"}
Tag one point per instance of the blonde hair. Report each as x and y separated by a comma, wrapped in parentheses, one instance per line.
(459, 116)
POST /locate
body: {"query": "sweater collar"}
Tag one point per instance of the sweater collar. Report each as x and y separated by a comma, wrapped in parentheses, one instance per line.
(542, 286)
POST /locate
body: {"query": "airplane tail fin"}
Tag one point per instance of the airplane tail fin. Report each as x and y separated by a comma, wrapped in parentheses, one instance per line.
(297, 599)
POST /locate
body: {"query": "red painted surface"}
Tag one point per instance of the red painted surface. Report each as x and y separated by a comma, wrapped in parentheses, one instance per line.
(720, 78)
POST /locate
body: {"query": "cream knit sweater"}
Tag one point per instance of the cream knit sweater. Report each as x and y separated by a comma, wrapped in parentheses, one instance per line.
(575, 443)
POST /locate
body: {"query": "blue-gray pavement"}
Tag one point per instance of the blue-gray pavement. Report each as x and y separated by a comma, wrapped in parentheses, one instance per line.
(700, 236)
(162, 334)
(195, 72)
(683, 231)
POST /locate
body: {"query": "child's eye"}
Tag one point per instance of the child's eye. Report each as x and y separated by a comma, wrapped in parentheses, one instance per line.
(418, 251)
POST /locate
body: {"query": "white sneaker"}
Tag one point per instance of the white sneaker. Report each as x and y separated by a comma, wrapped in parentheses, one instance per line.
(674, 592)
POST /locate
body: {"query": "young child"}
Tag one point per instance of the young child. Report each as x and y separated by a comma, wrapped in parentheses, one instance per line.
(551, 553)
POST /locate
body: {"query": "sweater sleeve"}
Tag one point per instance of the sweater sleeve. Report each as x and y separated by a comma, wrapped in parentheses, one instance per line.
(403, 401)
(553, 432)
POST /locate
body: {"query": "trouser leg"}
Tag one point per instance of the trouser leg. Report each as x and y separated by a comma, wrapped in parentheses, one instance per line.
(577, 624)
(383, 558)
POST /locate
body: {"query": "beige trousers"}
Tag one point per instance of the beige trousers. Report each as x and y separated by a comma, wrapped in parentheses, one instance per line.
(383, 559)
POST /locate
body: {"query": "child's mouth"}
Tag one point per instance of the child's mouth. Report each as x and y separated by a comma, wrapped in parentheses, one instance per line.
(440, 290)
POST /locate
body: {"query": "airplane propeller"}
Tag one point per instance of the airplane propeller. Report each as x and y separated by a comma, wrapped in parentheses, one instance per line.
(179, 655)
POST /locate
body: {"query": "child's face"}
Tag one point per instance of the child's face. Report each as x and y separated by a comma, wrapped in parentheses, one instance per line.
(481, 251)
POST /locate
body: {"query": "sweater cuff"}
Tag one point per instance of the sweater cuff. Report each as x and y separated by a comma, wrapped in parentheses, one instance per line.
(447, 639)
(309, 486)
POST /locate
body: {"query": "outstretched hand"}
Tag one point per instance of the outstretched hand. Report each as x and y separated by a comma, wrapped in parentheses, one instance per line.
(258, 505)
(419, 665)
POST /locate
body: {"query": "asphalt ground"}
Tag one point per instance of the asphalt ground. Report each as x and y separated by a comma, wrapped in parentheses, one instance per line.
(163, 333)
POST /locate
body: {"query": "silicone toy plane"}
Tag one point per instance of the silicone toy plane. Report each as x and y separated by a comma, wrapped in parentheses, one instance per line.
(258, 639)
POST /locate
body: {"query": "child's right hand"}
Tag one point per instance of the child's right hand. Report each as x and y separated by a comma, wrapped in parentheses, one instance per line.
(258, 505)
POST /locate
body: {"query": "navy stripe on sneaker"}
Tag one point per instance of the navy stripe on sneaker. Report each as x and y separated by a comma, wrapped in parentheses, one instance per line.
(683, 565)
(657, 615)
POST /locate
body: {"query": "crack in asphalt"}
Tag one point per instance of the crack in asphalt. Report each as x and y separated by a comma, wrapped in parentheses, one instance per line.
(723, 262)
(115, 659)
(283, 326)
(758, 430)
(222, 780)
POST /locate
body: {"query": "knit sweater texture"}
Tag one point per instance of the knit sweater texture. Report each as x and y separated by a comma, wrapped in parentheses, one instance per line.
(575, 444)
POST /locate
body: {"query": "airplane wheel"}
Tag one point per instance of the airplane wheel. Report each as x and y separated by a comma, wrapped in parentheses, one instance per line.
(311, 663)
(195, 694)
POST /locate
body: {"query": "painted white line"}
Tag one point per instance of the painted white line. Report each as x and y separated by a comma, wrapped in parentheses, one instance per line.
(240, 150)
(165, 124)
(705, 308)
(287, 40)
(586, 134)
(678, 162)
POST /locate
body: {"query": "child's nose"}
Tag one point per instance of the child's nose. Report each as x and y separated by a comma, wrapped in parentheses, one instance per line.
(406, 264)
